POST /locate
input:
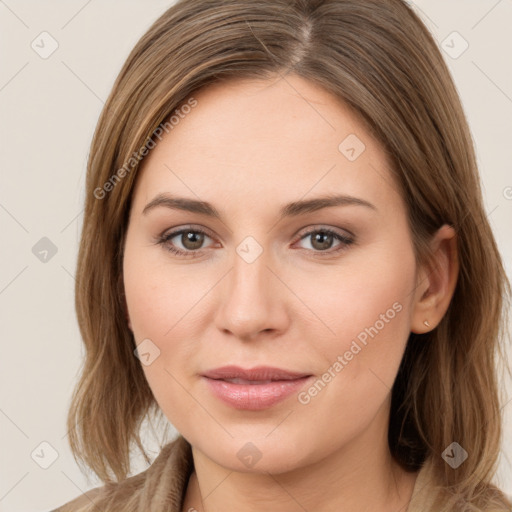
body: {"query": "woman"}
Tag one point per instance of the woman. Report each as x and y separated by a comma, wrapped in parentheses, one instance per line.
(285, 251)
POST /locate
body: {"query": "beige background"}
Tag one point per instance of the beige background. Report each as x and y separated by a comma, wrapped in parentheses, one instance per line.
(49, 108)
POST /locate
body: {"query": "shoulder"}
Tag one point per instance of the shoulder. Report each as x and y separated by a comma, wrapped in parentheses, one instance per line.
(429, 496)
(162, 484)
(84, 501)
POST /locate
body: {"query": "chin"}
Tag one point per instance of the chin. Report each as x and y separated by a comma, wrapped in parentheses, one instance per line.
(258, 454)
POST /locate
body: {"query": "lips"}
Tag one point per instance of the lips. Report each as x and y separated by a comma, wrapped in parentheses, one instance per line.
(255, 388)
(258, 374)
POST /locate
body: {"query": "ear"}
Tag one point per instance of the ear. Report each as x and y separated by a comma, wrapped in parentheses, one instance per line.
(436, 282)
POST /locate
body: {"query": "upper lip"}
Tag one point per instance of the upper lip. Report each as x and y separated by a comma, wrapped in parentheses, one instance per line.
(257, 373)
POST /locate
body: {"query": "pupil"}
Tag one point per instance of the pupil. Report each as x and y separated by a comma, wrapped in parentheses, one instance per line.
(193, 240)
(322, 236)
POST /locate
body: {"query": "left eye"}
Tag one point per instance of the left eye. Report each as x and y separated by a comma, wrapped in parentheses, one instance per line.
(193, 239)
(322, 239)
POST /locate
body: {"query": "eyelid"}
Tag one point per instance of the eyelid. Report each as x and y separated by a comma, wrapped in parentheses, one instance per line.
(323, 227)
(187, 227)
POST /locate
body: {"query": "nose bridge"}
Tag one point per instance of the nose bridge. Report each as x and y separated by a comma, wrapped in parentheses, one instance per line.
(250, 275)
(250, 300)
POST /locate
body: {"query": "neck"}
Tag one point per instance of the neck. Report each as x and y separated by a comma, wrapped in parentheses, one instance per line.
(359, 476)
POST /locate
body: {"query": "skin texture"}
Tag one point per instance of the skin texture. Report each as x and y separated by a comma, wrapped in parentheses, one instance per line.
(248, 148)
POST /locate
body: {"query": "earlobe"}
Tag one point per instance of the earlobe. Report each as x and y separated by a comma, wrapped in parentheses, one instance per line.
(437, 282)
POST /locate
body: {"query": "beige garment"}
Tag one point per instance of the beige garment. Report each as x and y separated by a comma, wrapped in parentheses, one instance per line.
(422, 494)
(162, 487)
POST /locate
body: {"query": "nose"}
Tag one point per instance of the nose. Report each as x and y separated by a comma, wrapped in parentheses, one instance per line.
(253, 301)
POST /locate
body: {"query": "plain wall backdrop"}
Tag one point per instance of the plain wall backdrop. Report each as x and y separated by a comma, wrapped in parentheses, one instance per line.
(59, 60)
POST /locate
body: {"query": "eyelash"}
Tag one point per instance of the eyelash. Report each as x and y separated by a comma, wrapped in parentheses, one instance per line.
(164, 241)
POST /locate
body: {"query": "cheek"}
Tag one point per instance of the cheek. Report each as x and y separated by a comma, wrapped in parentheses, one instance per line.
(156, 297)
(158, 305)
(364, 306)
(163, 304)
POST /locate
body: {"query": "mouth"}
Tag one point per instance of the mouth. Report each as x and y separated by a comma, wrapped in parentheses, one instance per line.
(245, 381)
(253, 389)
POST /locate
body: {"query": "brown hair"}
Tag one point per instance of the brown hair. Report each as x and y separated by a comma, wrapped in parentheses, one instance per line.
(377, 57)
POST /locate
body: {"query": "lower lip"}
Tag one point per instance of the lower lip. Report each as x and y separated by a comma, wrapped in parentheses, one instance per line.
(255, 396)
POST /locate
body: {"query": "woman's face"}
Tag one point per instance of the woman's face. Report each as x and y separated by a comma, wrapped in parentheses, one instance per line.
(276, 280)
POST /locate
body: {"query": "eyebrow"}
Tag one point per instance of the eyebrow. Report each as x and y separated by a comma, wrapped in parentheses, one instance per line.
(293, 209)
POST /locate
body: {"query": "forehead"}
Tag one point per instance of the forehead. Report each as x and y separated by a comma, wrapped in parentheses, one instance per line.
(265, 141)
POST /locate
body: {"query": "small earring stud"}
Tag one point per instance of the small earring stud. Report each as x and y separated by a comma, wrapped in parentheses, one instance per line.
(426, 323)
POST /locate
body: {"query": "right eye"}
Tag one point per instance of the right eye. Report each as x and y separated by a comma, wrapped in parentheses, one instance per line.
(191, 240)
